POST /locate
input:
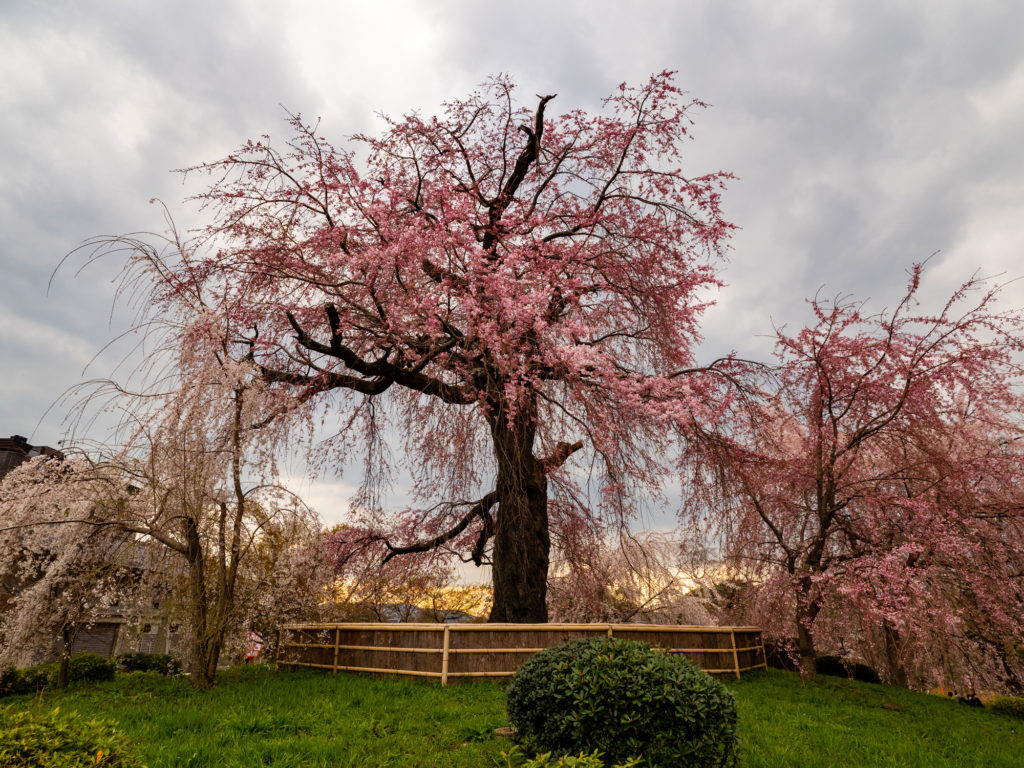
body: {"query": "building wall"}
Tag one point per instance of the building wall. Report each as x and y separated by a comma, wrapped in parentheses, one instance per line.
(15, 450)
(100, 638)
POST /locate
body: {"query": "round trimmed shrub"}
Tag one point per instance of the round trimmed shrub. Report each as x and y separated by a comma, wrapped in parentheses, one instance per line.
(10, 681)
(625, 699)
(34, 679)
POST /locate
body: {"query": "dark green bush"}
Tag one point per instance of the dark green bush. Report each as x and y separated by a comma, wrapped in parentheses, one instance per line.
(865, 673)
(1008, 705)
(10, 681)
(38, 677)
(830, 665)
(780, 653)
(833, 666)
(164, 663)
(33, 739)
(91, 667)
(29, 680)
(624, 699)
(88, 667)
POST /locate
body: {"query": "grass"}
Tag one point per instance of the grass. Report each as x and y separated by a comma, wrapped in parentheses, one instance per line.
(836, 722)
(256, 717)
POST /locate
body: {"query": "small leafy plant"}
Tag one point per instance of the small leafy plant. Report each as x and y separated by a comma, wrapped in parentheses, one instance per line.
(514, 759)
(55, 739)
(626, 700)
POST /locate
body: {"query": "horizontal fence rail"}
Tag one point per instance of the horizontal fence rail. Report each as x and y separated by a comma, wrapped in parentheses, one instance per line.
(451, 652)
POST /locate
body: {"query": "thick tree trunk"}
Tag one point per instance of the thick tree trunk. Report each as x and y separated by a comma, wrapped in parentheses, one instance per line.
(807, 608)
(893, 657)
(521, 540)
(805, 645)
(213, 658)
(200, 672)
(63, 668)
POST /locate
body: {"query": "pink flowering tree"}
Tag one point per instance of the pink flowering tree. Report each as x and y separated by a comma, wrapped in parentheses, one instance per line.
(873, 493)
(501, 287)
(365, 583)
(642, 577)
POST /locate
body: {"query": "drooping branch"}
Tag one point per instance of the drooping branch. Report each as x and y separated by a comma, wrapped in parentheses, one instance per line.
(480, 509)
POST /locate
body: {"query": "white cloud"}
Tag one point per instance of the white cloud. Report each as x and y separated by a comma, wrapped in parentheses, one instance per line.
(329, 498)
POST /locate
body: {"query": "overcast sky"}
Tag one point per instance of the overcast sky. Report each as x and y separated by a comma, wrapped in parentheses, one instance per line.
(865, 136)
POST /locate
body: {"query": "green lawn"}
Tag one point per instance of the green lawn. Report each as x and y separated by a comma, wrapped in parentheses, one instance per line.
(256, 717)
(836, 722)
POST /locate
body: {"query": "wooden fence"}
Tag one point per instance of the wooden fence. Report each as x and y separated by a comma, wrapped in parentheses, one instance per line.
(456, 651)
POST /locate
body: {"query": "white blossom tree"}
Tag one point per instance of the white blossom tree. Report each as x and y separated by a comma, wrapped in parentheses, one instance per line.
(60, 574)
(189, 474)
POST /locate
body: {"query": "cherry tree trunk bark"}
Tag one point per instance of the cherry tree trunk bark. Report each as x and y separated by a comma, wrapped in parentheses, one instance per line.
(205, 650)
(521, 540)
(894, 657)
(807, 608)
(64, 666)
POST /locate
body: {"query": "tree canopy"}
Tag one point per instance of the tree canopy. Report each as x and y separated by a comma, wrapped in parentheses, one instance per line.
(503, 287)
(874, 491)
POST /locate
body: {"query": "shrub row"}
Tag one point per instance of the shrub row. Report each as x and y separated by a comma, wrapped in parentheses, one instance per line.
(84, 667)
(164, 663)
(29, 680)
(780, 655)
(1008, 705)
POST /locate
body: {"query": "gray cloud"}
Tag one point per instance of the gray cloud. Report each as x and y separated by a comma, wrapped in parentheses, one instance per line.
(865, 135)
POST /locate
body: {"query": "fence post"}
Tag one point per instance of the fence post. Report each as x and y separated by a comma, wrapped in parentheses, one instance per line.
(609, 630)
(735, 655)
(337, 642)
(444, 657)
(277, 651)
(764, 655)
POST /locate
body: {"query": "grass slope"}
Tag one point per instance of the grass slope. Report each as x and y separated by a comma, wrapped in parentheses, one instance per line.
(836, 722)
(255, 717)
